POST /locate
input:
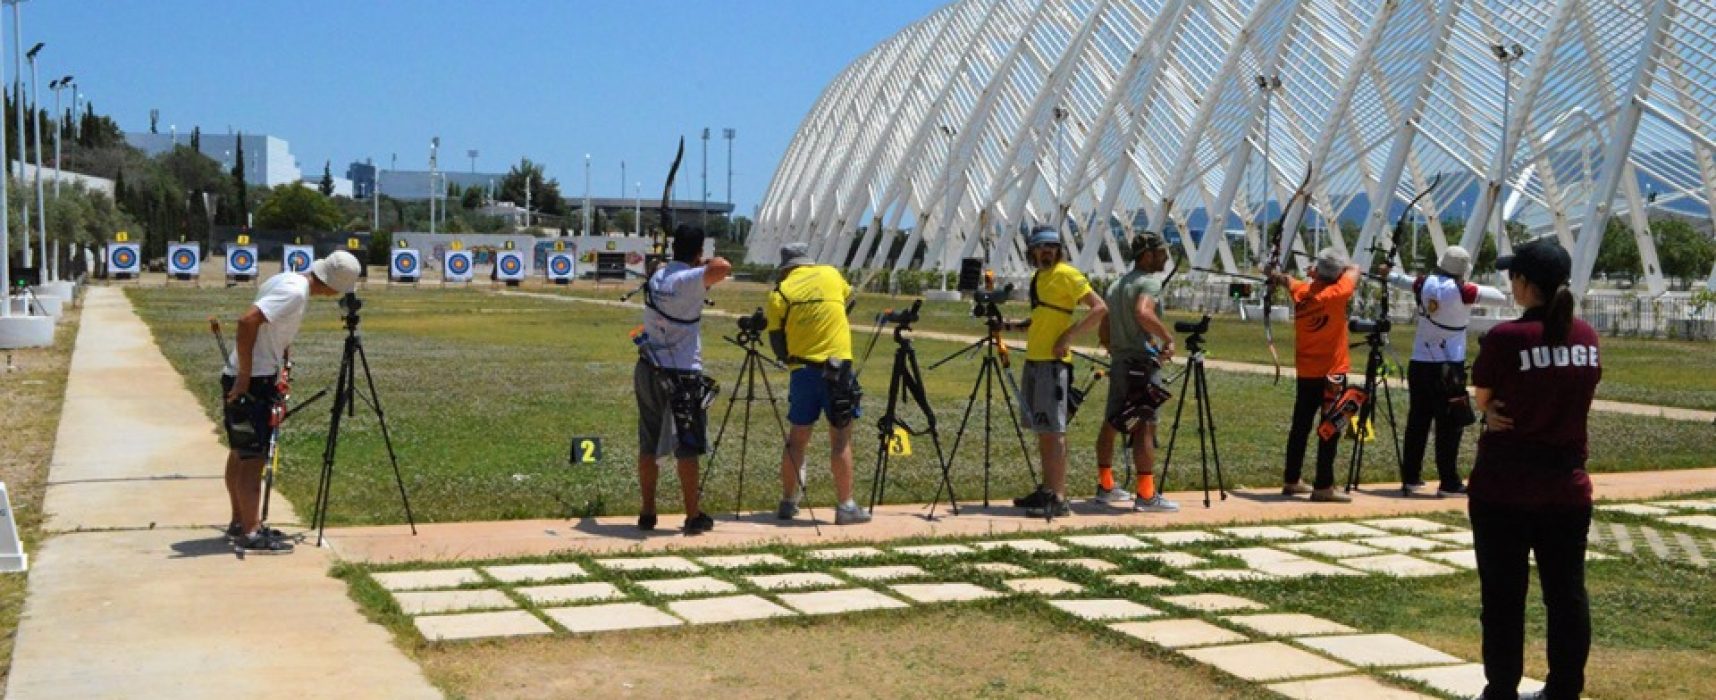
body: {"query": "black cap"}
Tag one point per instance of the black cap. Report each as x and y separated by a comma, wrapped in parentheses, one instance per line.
(1146, 242)
(1542, 262)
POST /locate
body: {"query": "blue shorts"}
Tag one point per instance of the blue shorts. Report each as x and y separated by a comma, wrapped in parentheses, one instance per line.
(807, 397)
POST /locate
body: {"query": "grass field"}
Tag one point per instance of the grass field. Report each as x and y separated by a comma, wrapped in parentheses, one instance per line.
(483, 393)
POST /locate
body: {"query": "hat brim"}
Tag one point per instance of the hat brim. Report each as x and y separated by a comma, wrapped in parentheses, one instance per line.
(1504, 262)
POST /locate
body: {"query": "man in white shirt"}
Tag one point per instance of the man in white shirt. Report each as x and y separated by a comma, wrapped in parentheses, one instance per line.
(250, 385)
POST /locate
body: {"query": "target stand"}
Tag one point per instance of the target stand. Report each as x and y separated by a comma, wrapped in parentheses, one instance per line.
(509, 267)
(241, 264)
(184, 262)
(124, 259)
(405, 266)
(456, 267)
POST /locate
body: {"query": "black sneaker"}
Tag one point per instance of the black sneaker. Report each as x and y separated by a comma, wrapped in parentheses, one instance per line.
(1056, 508)
(646, 522)
(699, 524)
(1040, 498)
(1455, 490)
(235, 532)
(262, 544)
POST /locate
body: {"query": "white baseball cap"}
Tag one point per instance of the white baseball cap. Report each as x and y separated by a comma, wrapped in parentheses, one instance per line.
(340, 270)
(1455, 261)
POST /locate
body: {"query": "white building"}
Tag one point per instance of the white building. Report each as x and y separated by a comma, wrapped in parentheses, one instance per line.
(268, 160)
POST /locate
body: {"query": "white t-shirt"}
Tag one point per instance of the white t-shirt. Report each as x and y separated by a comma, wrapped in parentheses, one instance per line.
(1444, 313)
(281, 300)
(677, 289)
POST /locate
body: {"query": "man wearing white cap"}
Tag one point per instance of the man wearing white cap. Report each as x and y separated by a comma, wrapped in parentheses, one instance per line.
(1437, 375)
(250, 384)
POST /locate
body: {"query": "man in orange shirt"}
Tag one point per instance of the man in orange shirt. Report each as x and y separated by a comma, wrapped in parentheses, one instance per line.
(1320, 355)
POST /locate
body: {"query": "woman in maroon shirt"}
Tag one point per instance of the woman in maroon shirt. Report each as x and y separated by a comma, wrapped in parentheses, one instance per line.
(1535, 378)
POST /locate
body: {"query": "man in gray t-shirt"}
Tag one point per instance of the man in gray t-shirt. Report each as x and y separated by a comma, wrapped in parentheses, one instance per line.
(1133, 322)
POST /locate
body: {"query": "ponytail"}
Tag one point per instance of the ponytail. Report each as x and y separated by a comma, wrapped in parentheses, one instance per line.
(1558, 316)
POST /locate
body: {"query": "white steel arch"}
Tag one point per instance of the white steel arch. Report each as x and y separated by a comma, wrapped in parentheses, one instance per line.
(1106, 117)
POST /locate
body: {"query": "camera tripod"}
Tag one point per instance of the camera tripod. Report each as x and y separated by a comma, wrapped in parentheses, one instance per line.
(1374, 377)
(907, 375)
(745, 389)
(1194, 382)
(993, 370)
(346, 397)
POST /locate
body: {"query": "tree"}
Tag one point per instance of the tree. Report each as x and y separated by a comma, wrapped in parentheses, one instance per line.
(327, 186)
(473, 198)
(1685, 253)
(1618, 253)
(242, 188)
(297, 208)
(544, 193)
(197, 139)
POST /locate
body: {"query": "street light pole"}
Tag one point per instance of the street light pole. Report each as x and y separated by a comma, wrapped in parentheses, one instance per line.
(48, 262)
(637, 207)
(728, 133)
(472, 154)
(18, 101)
(59, 127)
(703, 215)
(587, 230)
(434, 145)
(5, 233)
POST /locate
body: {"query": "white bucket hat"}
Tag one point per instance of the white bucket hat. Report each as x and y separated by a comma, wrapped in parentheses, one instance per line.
(340, 270)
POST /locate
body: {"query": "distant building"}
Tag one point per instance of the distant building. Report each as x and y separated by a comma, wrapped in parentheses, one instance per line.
(414, 184)
(268, 160)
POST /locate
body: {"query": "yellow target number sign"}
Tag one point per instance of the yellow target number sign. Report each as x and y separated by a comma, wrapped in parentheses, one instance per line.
(900, 443)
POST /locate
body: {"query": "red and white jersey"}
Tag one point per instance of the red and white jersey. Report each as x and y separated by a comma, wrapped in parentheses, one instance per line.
(1444, 313)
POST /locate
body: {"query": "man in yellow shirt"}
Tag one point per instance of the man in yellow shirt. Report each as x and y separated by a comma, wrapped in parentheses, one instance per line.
(1057, 289)
(808, 330)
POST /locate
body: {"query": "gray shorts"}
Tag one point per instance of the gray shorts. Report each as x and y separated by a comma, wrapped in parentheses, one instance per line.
(657, 434)
(1044, 396)
(1119, 384)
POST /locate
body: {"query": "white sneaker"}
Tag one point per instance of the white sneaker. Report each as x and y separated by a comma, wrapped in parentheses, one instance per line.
(1112, 496)
(1156, 504)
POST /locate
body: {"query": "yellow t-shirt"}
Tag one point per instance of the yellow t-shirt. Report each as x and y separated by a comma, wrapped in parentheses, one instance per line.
(1059, 290)
(811, 305)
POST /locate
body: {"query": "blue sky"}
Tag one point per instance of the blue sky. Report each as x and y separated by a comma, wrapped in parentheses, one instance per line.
(343, 80)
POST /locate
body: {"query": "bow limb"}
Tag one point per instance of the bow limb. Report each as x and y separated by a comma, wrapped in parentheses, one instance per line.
(1276, 246)
(666, 192)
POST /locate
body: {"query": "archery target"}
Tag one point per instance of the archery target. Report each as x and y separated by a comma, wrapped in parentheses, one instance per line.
(241, 260)
(509, 265)
(406, 264)
(297, 258)
(123, 258)
(458, 266)
(560, 266)
(183, 259)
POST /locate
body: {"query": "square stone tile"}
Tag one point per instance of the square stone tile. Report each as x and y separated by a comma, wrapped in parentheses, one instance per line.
(1021, 545)
(1178, 634)
(1686, 505)
(1269, 533)
(1339, 530)
(1304, 568)
(420, 580)
(1465, 680)
(1332, 549)
(1463, 558)
(1344, 688)
(727, 609)
(1634, 509)
(1088, 564)
(528, 573)
(696, 585)
(1288, 624)
(431, 602)
(1213, 602)
(883, 573)
(1265, 661)
(610, 617)
(1174, 538)
(1176, 560)
(1403, 543)
(1042, 586)
(790, 582)
(1105, 609)
(1105, 541)
(1462, 537)
(943, 592)
(1142, 580)
(1415, 526)
(512, 623)
(843, 553)
(1252, 556)
(936, 550)
(571, 593)
(1228, 575)
(839, 601)
(740, 561)
(1397, 565)
(1001, 568)
(1377, 650)
(1707, 522)
(679, 565)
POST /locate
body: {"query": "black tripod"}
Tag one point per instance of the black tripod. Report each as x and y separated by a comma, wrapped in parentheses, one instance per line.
(993, 371)
(909, 376)
(1376, 338)
(346, 397)
(1194, 382)
(745, 389)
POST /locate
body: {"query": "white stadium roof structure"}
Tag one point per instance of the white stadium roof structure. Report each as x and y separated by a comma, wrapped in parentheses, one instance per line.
(1105, 117)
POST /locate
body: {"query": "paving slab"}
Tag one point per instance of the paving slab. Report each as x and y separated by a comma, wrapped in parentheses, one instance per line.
(1707, 522)
(431, 602)
(1415, 526)
(1213, 602)
(727, 609)
(1462, 558)
(1339, 530)
(1228, 575)
(423, 580)
(1304, 568)
(1288, 624)
(794, 581)
(839, 601)
(1265, 661)
(1377, 650)
(936, 550)
(743, 561)
(610, 617)
(1001, 568)
(1042, 586)
(678, 565)
(1466, 680)
(843, 553)
(1634, 509)
(1269, 533)
(1462, 538)
(528, 573)
(1333, 549)
(883, 573)
(1175, 538)
(1032, 546)
(1252, 556)
(1105, 609)
(1105, 541)
(696, 585)
(1686, 505)
(512, 623)
(1344, 688)
(1087, 563)
(1142, 580)
(955, 592)
(1397, 565)
(1178, 634)
(1176, 560)
(571, 593)
(1403, 543)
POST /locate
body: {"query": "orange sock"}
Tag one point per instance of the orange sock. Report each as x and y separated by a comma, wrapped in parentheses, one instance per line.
(1105, 477)
(1146, 486)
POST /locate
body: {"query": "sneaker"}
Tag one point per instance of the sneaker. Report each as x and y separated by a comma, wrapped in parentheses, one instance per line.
(1297, 488)
(1039, 498)
(235, 532)
(787, 508)
(1330, 495)
(259, 543)
(1455, 490)
(851, 515)
(1156, 504)
(1057, 507)
(646, 522)
(700, 524)
(1114, 495)
(1411, 489)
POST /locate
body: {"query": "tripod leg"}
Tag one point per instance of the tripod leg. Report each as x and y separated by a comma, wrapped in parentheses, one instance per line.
(986, 374)
(1007, 397)
(959, 435)
(745, 436)
(1204, 401)
(884, 432)
(915, 382)
(1203, 451)
(1174, 431)
(721, 432)
(386, 438)
(1393, 428)
(774, 405)
(324, 483)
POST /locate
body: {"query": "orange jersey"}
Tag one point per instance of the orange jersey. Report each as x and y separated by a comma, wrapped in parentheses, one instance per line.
(1320, 325)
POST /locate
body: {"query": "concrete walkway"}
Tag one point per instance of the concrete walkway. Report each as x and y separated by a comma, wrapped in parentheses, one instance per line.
(135, 593)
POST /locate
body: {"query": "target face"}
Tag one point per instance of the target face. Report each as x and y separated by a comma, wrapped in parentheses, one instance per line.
(458, 264)
(243, 260)
(297, 261)
(405, 264)
(561, 265)
(511, 265)
(124, 258)
(184, 260)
